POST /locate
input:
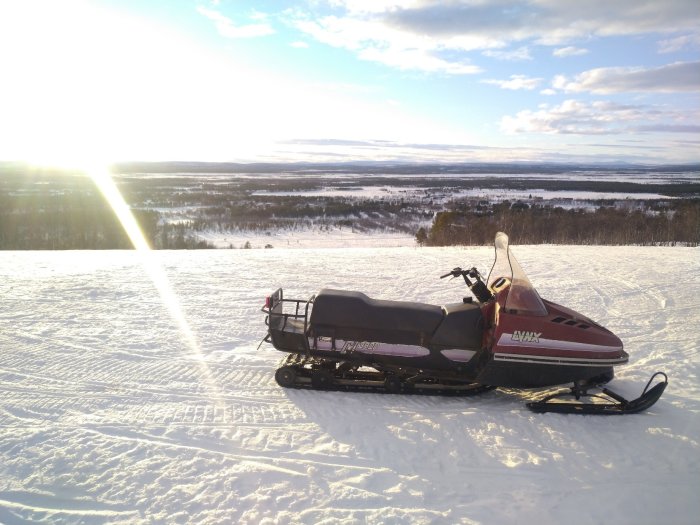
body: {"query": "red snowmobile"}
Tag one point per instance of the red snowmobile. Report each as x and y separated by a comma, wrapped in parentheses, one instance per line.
(508, 337)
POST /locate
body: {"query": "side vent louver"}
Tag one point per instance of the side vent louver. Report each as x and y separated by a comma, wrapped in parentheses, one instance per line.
(570, 322)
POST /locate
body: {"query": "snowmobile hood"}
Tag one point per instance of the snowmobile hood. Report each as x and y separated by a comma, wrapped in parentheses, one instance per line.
(569, 314)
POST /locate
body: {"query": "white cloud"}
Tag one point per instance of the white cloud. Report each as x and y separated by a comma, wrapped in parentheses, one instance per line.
(374, 41)
(569, 51)
(516, 82)
(549, 22)
(228, 29)
(521, 53)
(441, 34)
(345, 33)
(671, 78)
(416, 59)
(679, 43)
(374, 6)
(559, 82)
(600, 118)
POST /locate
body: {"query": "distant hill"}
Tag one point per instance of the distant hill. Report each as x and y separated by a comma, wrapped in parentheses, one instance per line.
(387, 167)
(366, 167)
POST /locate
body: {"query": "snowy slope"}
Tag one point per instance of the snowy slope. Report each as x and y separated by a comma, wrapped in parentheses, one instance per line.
(109, 415)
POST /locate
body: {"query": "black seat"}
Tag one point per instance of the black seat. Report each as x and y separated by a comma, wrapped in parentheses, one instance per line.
(463, 327)
(354, 316)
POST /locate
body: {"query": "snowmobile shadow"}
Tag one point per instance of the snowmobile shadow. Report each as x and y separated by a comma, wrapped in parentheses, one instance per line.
(427, 436)
(443, 446)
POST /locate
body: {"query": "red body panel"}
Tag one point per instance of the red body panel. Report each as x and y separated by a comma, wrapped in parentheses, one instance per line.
(562, 334)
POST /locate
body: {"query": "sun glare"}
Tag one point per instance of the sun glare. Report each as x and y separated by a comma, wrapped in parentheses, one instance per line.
(104, 182)
(101, 176)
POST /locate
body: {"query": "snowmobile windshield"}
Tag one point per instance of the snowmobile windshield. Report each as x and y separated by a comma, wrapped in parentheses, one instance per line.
(522, 296)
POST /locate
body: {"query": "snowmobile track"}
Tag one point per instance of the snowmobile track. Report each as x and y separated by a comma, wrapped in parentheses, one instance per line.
(298, 372)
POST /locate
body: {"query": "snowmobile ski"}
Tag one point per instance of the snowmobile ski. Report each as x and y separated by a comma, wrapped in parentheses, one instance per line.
(613, 403)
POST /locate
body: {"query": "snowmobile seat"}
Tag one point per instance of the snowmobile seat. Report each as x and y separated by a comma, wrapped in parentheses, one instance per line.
(463, 327)
(354, 316)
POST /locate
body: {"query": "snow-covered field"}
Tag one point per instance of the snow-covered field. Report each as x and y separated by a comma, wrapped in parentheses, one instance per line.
(109, 413)
(312, 237)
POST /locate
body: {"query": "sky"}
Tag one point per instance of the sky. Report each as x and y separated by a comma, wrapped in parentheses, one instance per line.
(348, 80)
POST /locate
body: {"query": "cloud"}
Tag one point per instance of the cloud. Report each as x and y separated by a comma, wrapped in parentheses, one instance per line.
(549, 22)
(440, 35)
(671, 78)
(419, 59)
(228, 29)
(600, 118)
(679, 43)
(343, 32)
(386, 144)
(669, 128)
(516, 82)
(569, 51)
(521, 53)
(336, 150)
(373, 41)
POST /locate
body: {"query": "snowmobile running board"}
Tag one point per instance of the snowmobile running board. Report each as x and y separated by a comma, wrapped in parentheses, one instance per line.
(321, 374)
(616, 405)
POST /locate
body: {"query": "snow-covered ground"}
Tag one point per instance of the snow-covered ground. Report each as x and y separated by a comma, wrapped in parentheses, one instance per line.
(109, 413)
(445, 195)
(325, 236)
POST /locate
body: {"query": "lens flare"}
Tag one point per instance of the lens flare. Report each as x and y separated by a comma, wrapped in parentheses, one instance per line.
(106, 185)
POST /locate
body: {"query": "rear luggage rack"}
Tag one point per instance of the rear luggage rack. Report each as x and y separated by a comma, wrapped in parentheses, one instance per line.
(288, 321)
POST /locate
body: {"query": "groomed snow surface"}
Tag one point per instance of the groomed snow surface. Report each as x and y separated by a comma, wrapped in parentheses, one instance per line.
(110, 414)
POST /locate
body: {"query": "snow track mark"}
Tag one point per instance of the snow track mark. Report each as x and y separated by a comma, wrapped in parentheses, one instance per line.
(106, 414)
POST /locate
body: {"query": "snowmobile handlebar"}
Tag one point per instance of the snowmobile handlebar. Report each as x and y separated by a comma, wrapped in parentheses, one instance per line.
(454, 273)
(471, 272)
(477, 287)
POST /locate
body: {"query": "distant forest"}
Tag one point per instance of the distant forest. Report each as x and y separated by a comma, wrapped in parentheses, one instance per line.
(670, 223)
(42, 210)
(69, 213)
(72, 222)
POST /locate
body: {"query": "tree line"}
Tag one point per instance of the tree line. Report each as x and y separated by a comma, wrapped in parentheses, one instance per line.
(81, 220)
(677, 223)
(65, 211)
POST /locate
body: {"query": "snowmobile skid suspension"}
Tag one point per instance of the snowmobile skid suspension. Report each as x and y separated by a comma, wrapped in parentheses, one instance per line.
(297, 371)
(611, 404)
(301, 372)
